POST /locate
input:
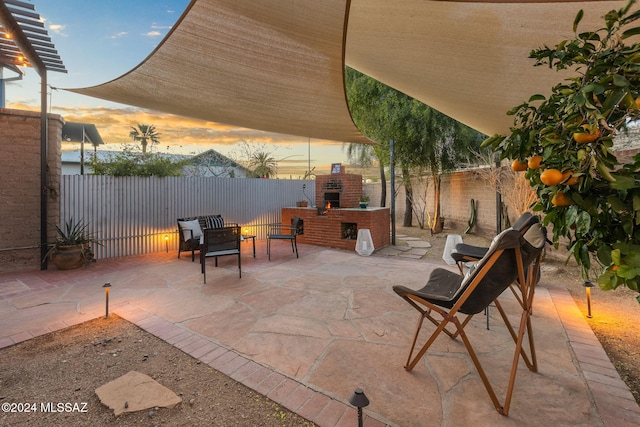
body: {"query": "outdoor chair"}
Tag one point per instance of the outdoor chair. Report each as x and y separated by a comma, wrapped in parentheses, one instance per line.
(190, 231)
(189, 236)
(219, 242)
(283, 232)
(448, 297)
(463, 253)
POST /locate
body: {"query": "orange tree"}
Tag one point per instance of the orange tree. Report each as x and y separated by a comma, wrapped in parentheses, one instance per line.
(595, 205)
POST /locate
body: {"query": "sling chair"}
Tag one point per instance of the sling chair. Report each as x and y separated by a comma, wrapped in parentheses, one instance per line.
(450, 296)
(463, 253)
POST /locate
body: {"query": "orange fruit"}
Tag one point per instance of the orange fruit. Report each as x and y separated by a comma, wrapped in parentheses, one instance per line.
(638, 101)
(551, 177)
(518, 166)
(568, 179)
(561, 199)
(534, 162)
(586, 137)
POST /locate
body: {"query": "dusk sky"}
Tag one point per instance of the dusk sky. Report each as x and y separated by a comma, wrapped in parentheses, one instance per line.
(99, 41)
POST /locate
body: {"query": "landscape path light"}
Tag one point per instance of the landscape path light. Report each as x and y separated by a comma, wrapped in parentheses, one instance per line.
(587, 288)
(359, 400)
(106, 287)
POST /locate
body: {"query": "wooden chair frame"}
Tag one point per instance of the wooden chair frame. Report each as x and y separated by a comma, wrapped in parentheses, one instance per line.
(524, 286)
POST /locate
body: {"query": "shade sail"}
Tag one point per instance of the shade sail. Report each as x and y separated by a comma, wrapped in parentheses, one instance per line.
(468, 60)
(277, 65)
(270, 65)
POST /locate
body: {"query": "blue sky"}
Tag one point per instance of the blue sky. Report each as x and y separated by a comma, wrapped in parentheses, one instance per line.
(99, 41)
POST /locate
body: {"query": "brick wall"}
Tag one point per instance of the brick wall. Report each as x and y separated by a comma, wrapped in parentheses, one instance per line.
(326, 230)
(349, 186)
(20, 186)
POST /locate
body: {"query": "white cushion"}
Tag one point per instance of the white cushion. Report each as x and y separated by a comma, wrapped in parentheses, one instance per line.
(194, 226)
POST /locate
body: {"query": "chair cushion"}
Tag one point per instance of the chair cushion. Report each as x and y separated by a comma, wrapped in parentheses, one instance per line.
(192, 225)
(214, 221)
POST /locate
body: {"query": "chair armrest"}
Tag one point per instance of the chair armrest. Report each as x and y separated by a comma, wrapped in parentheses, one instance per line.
(279, 228)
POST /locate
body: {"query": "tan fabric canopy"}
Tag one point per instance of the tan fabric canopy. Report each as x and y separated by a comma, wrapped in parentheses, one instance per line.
(271, 65)
(468, 60)
(277, 65)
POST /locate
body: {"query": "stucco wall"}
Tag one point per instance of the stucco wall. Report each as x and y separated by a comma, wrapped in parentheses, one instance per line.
(20, 186)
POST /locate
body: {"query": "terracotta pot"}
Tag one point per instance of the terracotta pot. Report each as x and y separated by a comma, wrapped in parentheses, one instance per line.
(301, 204)
(68, 257)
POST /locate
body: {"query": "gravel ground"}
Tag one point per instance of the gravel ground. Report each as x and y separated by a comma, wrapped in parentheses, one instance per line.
(67, 366)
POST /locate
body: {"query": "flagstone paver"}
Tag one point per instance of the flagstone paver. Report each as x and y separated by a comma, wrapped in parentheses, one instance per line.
(327, 331)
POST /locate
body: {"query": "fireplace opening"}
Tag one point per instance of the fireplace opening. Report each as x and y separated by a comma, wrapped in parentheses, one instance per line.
(333, 198)
(349, 230)
(325, 210)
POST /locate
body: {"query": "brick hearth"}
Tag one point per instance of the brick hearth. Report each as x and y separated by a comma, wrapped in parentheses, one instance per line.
(329, 230)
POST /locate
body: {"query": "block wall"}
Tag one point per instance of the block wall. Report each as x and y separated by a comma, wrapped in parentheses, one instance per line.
(457, 190)
(20, 186)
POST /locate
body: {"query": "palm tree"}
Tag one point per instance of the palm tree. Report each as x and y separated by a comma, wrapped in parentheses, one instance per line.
(263, 164)
(143, 134)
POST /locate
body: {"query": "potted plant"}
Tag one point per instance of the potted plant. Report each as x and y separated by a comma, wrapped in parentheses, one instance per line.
(72, 246)
(364, 201)
(302, 203)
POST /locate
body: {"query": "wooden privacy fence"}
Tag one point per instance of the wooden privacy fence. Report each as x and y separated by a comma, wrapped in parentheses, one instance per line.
(137, 215)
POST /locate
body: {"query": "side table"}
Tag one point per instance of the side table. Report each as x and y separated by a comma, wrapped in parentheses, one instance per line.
(253, 240)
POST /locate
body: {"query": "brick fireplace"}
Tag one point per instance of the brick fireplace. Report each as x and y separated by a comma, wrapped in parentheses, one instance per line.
(338, 225)
(341, 190)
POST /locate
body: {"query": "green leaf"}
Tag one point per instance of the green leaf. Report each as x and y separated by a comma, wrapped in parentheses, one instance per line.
(593, 87)
(493, 141)
(626, 272)
(604, 255)
(614, 97)
(636, 202)
(620, 81)
(630, 32)
(627, 225)
(617, 204)
(583, 223)
(607, 281)
(577, 20)
(623, 182)
(537, 97)
(570, 217)
(632, 17)
(615, 256)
